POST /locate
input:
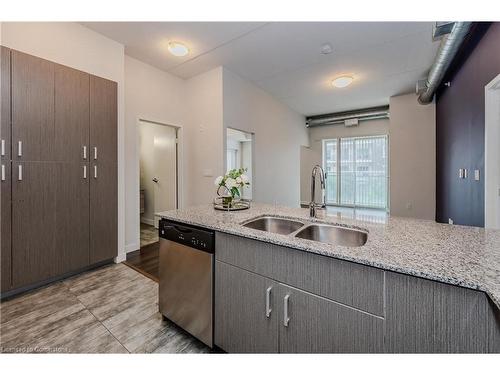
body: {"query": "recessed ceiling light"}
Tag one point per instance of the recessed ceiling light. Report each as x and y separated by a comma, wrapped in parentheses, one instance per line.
(342, 81)
(177, 49)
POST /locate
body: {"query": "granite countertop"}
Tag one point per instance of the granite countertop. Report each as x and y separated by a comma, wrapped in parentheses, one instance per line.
(453, 254)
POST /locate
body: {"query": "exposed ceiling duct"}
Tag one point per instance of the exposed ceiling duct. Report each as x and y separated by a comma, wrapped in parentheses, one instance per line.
(348, 118)
(450, 43)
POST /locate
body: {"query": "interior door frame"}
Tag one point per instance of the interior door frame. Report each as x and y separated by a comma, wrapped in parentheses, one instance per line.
(252, 182)
(179, 161)
(492, 154)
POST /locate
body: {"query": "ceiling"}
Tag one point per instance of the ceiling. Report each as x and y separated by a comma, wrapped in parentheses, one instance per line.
(284, 58)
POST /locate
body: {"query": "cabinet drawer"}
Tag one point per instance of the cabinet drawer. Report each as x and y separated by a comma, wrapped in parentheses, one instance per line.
(346, 282)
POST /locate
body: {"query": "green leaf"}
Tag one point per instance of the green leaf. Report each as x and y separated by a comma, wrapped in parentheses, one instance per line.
(235, 191)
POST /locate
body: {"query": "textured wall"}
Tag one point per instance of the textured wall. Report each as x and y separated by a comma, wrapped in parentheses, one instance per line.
(460, 129)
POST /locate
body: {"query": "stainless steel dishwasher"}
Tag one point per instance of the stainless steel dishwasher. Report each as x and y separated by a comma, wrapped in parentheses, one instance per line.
(186, 278)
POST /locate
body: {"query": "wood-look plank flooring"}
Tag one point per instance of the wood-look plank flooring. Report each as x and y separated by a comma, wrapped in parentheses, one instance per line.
(145, 260)
(113, 309)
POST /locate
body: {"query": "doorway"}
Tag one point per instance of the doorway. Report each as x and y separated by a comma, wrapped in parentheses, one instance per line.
(492, 154)
(158, 182)
(239, 154)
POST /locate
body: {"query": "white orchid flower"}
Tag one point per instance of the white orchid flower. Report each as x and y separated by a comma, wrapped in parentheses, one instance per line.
(245, 178)
(230, 183)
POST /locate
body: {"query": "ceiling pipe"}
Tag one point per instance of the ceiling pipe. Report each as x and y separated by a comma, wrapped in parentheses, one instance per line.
(447, 50)
(340, 117)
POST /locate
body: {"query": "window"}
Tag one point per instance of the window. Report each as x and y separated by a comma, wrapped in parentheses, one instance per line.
(356, 171)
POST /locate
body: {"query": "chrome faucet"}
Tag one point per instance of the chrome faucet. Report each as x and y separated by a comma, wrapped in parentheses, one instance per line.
(313, 205)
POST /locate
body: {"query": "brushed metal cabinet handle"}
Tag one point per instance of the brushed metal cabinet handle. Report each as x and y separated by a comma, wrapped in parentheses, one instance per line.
(95, 171)
(84, 152)
(3, 147)
(84, 171)
(3, 172)
(268, 302)
(19, 148)
(95, 153)
(286, 318)
(20, 172)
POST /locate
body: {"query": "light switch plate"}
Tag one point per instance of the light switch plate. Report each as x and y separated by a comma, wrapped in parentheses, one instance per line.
(476, 174)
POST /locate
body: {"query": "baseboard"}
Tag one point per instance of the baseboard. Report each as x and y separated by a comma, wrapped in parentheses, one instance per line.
(122, 257)
(147, 221)
(27, 288)
(132, 247)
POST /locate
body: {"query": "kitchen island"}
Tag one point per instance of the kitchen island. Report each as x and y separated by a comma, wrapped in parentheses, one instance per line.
(414, 286)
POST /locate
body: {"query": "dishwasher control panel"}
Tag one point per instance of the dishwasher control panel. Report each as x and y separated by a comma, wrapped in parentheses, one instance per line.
(195, 237)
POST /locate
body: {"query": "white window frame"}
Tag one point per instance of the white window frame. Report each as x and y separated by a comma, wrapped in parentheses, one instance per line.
(339, 177)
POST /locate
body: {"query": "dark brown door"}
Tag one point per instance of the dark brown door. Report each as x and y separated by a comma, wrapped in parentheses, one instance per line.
(5, 187)
(32, 108)
(5, 103)
(103, 170)
(5, 225)
(72, 215)
(34, 256)
(71, 136)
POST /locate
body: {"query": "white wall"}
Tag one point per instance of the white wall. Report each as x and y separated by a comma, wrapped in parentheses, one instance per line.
(203, 151)
(76, 46)
(152, 95)
(412, 135)
(279, 134)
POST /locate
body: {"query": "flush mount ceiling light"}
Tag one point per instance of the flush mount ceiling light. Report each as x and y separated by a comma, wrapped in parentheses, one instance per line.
(342, 81)
(326, 49)
(177, 49)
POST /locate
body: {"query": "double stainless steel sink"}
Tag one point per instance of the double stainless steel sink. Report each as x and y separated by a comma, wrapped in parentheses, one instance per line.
(324, 233)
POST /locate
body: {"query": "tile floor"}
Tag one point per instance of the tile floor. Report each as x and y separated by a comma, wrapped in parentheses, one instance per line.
(149, 234)
(113, 309)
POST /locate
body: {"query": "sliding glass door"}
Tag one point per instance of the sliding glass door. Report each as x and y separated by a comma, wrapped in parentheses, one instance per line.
(330, 167)
(356, 171)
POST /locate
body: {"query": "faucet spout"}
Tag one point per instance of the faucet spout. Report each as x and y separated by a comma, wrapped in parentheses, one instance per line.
(313, 205)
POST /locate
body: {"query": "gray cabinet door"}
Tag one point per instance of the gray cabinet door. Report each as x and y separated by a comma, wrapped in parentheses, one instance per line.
(313, 324)
(72, 215)
(5, 227)
(425, 316)
(34, 256)
(32, 108)
(103, 170)
(241, 323)
(71, 135)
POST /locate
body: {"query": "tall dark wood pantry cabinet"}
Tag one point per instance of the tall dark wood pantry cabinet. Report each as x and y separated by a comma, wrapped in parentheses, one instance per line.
(59, 171)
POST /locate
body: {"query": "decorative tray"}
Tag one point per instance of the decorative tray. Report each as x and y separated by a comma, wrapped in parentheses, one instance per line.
(233, 206)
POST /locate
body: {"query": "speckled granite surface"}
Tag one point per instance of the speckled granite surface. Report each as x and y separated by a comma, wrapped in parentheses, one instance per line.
(459, 255)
